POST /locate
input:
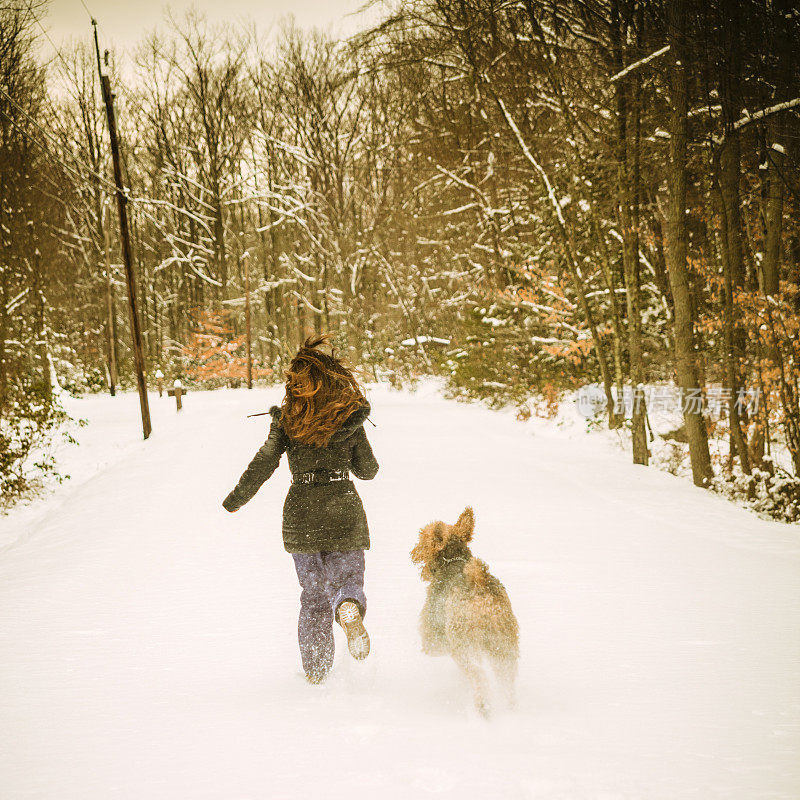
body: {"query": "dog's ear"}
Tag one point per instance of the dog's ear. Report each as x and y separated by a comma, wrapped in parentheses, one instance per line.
(465, 526)
(438, 532)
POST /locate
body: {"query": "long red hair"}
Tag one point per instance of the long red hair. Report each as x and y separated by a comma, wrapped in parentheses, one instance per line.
(321, 393)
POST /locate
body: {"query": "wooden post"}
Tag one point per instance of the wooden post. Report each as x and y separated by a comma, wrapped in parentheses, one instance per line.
(177, 391)
(111, 328)
(127, 257)
(247, 320)
(160, 382)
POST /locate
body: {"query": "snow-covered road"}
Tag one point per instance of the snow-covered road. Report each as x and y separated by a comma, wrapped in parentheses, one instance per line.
(147, 638)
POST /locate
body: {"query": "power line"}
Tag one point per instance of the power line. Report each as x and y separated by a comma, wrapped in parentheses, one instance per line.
(51, 138)
(43, 147)
(62, 59)
(91, 16)
(52, 43)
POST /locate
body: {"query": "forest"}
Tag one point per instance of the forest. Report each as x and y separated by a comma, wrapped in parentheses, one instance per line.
(524, 197)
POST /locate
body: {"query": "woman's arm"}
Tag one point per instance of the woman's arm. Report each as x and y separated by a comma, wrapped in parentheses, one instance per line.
(260, 468)
(363, 463)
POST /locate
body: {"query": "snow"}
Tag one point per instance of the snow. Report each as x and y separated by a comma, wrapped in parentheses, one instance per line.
(747, 118)
(148, 638)
(423, 340)
(641, 62)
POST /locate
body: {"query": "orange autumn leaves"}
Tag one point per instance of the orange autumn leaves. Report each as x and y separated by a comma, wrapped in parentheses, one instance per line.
(214, 356)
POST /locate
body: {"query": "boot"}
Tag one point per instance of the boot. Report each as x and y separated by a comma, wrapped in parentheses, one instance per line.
(349, 617)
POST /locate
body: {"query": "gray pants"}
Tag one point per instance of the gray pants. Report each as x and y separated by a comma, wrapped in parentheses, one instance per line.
(327, 580)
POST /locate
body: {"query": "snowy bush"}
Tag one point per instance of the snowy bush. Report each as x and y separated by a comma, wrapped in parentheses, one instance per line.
(672, 457)
(774, 494)
(30, 419)
(502, 361)
(79, 381)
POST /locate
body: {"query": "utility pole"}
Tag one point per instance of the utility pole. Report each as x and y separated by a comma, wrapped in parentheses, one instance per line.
(127, 258)
(111, 328)
(247, 320)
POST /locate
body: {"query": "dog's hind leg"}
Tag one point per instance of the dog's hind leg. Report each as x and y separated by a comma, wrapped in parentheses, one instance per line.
(476, 676)
(506, 671)
(431, 633)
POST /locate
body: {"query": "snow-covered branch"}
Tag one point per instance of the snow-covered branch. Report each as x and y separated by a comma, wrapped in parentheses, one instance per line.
(765, 112)
(306, 302)
(200, 274)
(759, 115)
(640, 63)
(15, 302)
(534, 163)
(461, 182)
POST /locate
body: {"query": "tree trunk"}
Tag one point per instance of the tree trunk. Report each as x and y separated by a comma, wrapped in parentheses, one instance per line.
(628, 179)
(776, 158)
(728, 171)
(641, 452)
(685, 356)
(727, 164)
(617, 417)
(778, 142)
(220, 254)
(40, 329)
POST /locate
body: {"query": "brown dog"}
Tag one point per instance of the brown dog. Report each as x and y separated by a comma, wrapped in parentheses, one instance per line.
(467, 613)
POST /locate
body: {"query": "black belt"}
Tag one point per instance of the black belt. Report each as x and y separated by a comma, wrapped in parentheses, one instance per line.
(322, 476)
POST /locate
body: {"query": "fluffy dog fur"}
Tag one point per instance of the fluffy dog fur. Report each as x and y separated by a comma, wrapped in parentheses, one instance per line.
(467, 613)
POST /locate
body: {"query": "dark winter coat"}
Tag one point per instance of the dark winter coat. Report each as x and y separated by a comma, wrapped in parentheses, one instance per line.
(316, 517)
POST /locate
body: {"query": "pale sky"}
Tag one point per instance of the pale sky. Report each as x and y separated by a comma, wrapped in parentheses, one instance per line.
(122, 23)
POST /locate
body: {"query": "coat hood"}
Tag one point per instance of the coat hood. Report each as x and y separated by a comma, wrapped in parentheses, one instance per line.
(349, 426)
